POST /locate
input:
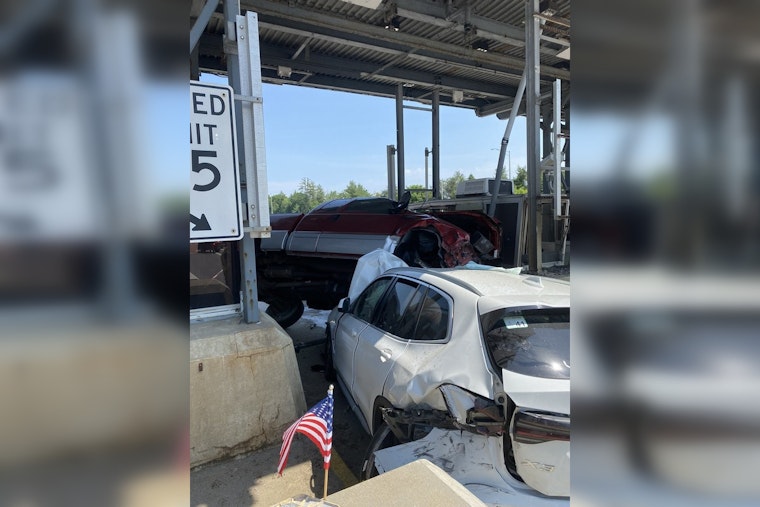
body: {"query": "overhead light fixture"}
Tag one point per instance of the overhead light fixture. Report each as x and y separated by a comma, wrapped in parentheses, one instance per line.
(283, 71)
(394, 24)
(457, 96)
(480, 45)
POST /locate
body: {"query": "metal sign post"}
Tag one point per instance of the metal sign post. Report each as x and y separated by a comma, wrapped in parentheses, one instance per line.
(244, 71)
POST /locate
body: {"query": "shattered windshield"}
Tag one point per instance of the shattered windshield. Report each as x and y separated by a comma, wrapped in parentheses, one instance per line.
(530, 341)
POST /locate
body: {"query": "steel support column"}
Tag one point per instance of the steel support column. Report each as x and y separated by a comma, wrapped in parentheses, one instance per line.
(390, 153)
(400, 138)
(557, 123)
(533, 117)
(247, 249)
(504, 144)
(436, 146)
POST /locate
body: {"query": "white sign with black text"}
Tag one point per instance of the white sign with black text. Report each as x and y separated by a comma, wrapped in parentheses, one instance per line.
(215, 213)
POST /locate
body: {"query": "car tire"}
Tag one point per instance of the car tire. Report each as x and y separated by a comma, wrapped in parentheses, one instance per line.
(285, 310)
(329, 364)
(383, 438)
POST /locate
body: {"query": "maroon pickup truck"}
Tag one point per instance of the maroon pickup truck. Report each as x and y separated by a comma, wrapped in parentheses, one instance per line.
(312, 256)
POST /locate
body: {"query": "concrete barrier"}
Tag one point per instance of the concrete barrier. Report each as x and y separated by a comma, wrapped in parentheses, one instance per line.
(245, 388)
(82, 387)
(418, 483)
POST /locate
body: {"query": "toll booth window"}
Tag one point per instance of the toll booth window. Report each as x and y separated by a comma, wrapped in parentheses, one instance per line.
(214, 274)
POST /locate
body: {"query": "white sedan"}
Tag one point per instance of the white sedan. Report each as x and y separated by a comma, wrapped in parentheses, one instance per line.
(423, 354)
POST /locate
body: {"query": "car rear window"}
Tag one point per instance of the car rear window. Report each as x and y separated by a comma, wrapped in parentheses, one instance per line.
(530, 341)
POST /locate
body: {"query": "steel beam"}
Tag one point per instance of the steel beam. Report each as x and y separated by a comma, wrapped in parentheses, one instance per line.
(400, 138)
(390, 153)
(533, 116)
(353, 69)
(379, 37)
(412, 54)
(485, 28)
(555, 148)
(250, 301)
(505, 144)
(443, 13)
(200, 24)
(269, 75)
(436, 147)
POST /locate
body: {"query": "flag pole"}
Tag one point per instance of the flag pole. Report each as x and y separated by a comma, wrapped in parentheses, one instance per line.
(324, 493)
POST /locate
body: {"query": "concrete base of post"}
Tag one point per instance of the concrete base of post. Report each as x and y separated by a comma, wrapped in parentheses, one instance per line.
(245, 389)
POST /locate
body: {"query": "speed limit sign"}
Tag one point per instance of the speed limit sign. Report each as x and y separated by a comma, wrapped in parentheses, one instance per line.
(215, 213)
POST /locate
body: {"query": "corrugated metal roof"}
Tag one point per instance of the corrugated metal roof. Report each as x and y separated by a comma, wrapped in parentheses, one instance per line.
(335, 43)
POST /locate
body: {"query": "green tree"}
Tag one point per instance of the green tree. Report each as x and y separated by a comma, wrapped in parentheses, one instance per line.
(418, 196)
(306, 197)
(279, 203)
(520, 180)
(354, 189)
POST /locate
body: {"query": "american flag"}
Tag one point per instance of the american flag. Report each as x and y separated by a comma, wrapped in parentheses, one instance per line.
(317, 425)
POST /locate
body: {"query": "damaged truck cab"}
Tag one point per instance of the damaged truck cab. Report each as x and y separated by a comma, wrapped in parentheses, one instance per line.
(311, 257)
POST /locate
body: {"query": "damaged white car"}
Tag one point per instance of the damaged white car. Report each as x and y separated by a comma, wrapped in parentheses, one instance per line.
(468, 368)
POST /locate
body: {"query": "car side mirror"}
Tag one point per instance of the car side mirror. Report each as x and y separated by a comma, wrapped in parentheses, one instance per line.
(344, 305)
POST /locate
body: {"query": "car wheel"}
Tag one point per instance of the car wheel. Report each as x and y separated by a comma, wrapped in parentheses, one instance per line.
(329, 364)
(285, 310)
(382, 439)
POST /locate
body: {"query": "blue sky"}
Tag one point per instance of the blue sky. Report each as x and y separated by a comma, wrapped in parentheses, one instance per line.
(335, 137)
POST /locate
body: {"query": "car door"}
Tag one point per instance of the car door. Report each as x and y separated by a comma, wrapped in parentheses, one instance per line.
(352, 324)
(427, 361)
(383, 341)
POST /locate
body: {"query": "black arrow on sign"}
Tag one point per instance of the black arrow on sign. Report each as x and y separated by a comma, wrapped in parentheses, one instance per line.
(201, 224)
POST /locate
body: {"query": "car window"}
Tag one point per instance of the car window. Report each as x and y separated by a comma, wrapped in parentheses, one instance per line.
(380, 206)
(391, 317)
(331, 206)
(531, 341)
(364, 306)
(408, 321)
(433, 323)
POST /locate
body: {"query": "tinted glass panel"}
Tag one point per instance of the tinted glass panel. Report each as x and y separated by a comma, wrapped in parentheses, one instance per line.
(214, 274)
(390, 318)
(409, 321)
(331, 205)
(365, 304)
(533, 341)
(434, 317)
(380, 206)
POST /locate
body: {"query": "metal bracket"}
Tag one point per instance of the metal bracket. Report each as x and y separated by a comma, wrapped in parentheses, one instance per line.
(250, 99)
(258, 232)
(215, 313)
